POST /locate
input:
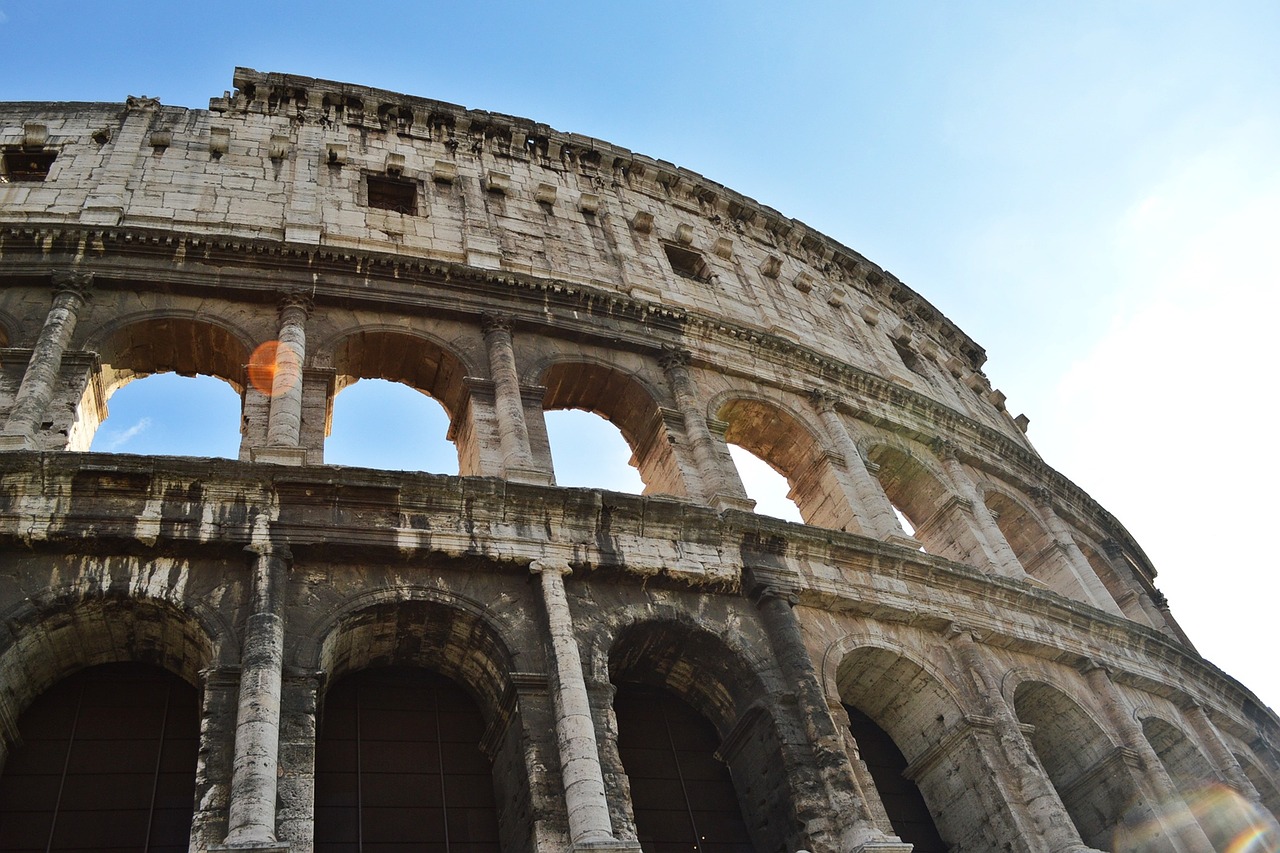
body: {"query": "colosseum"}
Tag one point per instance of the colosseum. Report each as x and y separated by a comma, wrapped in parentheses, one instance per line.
(958, 650)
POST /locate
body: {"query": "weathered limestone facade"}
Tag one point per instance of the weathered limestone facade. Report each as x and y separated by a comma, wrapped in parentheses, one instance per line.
(1013, 646)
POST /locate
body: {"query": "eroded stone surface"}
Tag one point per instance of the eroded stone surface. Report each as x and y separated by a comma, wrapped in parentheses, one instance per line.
(1013, 645)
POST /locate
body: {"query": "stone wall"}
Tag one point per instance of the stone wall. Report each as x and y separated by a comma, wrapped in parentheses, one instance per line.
(1013, 646)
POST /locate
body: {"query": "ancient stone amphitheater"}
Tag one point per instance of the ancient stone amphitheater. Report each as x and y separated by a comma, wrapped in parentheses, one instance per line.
(275, 653)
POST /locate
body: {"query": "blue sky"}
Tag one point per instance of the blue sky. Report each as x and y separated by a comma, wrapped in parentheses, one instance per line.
(1089, 189)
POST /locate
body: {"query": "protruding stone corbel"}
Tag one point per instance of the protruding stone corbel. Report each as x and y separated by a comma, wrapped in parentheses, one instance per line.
(219, 141)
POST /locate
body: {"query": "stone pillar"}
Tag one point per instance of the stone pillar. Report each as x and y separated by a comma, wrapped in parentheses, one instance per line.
(40, 381)
(720, 488)
(1084, 573)
(874, 508)
(855, 829)
(1049, 817)
(1160, 788)
(1113, 552)
(1223, 761)
(584, 795)
(284, 424)
(517, 457)
(251, 814)
(998, 550)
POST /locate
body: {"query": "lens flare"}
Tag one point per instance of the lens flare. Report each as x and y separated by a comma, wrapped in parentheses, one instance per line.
(264, 368)
(1232, 823)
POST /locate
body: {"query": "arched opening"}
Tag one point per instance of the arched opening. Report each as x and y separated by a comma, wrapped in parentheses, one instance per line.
(171, 415)
(682, 796)
(921, 497)
(178, 409)
(421, 664)
(1034, 547)
(1226, 817)
(107, 762)
(377, 423)
(1266, 789)
(1086, 769)
(689, 670)
(420, 364)
(903, 803)
(898, 713)
(1125, 594)
(768, 488)
(589, 452)
(788, 447)
(631, 408)
(399, 764)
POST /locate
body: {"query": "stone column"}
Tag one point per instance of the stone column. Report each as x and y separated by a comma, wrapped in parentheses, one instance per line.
(1161, 790)
(1223, 760)
(1001, 555)
(513, 432)
(1080, 567)
(251, 820)
(874, 508)
(1113, 552)
(584, 795)
(855, 829)
(1048, 815)
(40, 381)
(719, 487)
(284, 424)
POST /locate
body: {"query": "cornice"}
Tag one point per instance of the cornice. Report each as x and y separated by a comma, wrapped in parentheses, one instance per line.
(322, 270)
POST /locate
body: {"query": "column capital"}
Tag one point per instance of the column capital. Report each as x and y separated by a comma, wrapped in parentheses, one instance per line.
(1090, 665)
(674, 357)
(270, 549)
(1112, 548)
(73, 282)
(945, 449)
(294, 301)
(550, 565)
(823, 400)
(495, 323)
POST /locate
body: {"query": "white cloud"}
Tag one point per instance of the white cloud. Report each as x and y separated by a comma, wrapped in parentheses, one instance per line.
(119, 440)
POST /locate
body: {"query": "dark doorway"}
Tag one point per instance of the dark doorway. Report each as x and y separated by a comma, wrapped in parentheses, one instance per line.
(682, 795)
(901, 798)
(107, 762)
(399, 767)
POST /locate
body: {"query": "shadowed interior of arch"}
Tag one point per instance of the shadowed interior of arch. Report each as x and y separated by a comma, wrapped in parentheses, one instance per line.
(172, 415)
(378, 423)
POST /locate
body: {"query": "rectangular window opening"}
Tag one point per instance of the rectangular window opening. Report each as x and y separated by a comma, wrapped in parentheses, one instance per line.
(389, 193)
(22, 164)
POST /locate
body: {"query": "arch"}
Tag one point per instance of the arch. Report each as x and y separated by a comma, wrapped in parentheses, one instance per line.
(9, 329)
(1126, 596)
(54, 637)
(150, 342)
(1086, 768)
(682, 797)
(427, 629)
(1262, 783)
(419, 361)
(119, 736)
(1033, 544)
(918, 714)
(700, 669)
(417, 627)
(790, 446)
(179, 341)
(921, 492)
(627, 402)
(399, 761)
